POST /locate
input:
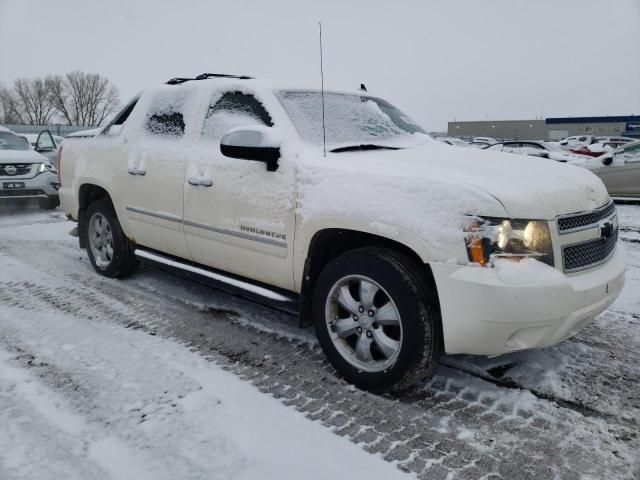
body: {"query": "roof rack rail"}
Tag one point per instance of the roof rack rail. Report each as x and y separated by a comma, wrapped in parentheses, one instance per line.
(178, 80)
(204, 76)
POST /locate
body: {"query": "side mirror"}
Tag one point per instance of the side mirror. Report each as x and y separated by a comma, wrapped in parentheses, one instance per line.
(256, 142)
(607, 160)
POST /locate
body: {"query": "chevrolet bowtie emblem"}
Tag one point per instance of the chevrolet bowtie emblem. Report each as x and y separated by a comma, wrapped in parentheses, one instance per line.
(606, 230)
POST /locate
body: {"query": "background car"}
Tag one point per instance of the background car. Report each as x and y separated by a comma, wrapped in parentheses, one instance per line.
(578, 141)
(619, 170)
(534, 148)
(453, 141)
(484, 141)
(44, 143)
(24, 173)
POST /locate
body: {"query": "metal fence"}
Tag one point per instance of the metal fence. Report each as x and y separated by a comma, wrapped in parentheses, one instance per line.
(60, 130)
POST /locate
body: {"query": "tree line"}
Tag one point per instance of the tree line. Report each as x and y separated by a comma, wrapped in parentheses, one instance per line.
(76, 98)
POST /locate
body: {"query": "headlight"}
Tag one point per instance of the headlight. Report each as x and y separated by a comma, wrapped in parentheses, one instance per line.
(490, 238)
(46, 167)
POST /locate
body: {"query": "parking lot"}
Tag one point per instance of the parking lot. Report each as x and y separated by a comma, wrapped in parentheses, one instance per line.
(570, 411)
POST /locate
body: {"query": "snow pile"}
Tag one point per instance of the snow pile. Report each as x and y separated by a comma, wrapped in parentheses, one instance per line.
(135, 406)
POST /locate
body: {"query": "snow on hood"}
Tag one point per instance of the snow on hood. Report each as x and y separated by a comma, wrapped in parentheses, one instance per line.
(527, 187)
(21, 156)
(432, 189)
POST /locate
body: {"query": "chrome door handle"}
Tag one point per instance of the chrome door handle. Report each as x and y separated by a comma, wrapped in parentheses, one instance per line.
(136, 171)
(196, 182)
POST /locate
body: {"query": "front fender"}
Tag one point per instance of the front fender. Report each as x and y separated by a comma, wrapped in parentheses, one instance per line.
(307, 229)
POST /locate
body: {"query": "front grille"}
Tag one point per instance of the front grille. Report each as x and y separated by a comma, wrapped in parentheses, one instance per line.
(21, 192)
(20, 169)
(582, 220)
(589, 254)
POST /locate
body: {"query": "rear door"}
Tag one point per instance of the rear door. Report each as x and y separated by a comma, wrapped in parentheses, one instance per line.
(239, 217)
(152, 190)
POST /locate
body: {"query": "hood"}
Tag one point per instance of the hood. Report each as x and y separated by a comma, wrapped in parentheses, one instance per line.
(21, 156)
(526, 186)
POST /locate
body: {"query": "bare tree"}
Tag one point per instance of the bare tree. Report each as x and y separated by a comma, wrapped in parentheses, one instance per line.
(34, 101)
(83, 98)
(9, 107)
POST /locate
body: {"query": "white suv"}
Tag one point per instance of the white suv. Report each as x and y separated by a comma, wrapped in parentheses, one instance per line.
(394, 246)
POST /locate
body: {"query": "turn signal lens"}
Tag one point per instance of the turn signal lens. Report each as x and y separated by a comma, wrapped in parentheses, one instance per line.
(476, 251)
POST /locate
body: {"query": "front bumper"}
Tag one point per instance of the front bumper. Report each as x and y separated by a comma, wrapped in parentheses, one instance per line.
(484, 315)
(43, 185)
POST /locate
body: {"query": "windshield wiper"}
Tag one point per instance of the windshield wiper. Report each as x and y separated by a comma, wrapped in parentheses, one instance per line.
(364, 146)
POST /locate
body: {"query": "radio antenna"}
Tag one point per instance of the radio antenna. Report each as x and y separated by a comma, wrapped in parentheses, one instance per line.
(324, 131)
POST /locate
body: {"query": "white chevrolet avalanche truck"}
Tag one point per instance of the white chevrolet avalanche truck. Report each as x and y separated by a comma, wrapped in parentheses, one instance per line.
(394, 247)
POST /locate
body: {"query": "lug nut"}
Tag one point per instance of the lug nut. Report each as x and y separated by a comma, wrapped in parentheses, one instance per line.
(359, 330)
(375, 325)
(369, 334)
(361, 309)
(371, 313)
(355, 317)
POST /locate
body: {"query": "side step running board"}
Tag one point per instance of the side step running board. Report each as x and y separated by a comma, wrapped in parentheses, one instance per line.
(271, 296)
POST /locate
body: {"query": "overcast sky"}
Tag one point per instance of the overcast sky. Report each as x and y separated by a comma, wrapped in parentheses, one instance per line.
(437, 60)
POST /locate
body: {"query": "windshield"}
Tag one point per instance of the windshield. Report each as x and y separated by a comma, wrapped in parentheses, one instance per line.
(349, 118)
(9, 141)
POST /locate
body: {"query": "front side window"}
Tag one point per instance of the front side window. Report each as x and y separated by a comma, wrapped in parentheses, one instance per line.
(349, 118)
(9, 141)
(234, 109)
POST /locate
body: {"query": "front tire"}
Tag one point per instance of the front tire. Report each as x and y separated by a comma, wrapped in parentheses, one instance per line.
(376, 319)
(110, 251)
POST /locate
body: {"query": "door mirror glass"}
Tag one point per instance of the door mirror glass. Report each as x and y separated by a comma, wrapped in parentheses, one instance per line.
(607, 160)
(255, 142)
(45, 142)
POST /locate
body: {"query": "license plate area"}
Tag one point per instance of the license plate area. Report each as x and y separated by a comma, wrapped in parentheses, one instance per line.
(12, 185)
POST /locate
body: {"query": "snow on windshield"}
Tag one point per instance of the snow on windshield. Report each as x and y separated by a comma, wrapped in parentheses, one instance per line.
(348, 118)
(9, 141)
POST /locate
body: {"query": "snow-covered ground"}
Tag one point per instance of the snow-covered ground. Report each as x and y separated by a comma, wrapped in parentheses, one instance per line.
(159, 377)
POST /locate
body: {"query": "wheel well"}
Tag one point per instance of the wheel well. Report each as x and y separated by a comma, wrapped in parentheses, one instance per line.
(88, 194)
(330, 243)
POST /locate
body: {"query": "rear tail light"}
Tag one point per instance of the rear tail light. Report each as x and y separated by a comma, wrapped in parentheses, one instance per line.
(59, 163)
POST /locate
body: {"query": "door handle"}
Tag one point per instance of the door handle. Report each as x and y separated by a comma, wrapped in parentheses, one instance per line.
(197, 182)
(136, 171)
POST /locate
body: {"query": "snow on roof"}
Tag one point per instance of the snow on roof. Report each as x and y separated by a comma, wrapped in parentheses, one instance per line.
(3, 129)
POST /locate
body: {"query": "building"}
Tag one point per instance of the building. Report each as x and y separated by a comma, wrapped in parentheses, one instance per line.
(548, 129)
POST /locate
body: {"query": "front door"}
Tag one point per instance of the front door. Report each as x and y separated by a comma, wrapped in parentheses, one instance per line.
(239, 217)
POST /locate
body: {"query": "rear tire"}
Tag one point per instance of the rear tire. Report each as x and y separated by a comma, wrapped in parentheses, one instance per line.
(377, 320)
(110, 251)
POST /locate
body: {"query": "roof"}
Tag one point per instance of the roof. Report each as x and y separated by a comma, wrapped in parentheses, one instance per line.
(3, 129)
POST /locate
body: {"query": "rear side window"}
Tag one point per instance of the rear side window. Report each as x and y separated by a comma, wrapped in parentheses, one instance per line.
(167, 124)
(234, 109)
(165, 116)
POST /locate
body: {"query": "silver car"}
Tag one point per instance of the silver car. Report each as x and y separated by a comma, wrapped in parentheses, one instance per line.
(24, 173)
(619, 170)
